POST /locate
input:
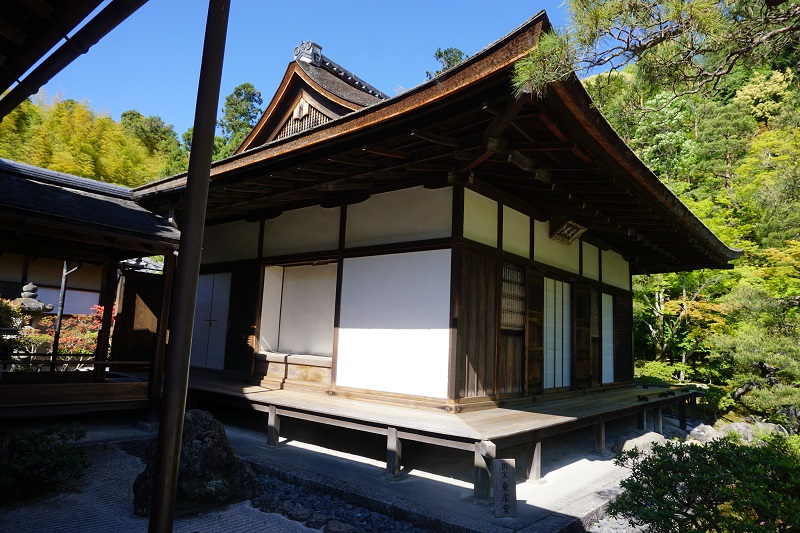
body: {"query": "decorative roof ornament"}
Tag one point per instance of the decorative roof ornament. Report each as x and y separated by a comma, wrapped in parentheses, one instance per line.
(311, 53)
(308, 52)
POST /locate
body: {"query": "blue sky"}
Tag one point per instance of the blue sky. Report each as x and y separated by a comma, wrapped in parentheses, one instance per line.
(151, 62)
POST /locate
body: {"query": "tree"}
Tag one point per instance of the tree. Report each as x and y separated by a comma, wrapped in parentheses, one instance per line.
(767, 184)
(677, 319)
(447, 58)
(239, 114)
(155, 134)
(687, 46)
(68, 136)
(722, 486)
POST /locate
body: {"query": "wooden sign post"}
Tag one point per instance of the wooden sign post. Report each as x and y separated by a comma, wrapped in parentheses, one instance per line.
(504, 483)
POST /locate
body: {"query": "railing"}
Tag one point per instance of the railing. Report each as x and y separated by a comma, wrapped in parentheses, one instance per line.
(15, 362)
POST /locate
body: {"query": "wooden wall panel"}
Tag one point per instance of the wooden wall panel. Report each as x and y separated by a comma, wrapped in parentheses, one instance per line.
(511, 363)
(582, 345)
(535, 362)
(477, 324)
(136, 325)
(623, 337)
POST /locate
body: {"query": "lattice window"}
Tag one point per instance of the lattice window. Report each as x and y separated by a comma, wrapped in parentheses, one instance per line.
(306, 119)
(512, 305)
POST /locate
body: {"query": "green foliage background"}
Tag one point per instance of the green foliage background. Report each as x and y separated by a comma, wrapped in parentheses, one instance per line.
(732, 157)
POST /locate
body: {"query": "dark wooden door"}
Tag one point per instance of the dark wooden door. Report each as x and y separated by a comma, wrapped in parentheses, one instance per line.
(136, 321)
(582, 344)
(535, 332)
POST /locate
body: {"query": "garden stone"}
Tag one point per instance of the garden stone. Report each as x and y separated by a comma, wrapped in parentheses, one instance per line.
(640, 440)
(210, 474)
(749, 432)
(703, 433)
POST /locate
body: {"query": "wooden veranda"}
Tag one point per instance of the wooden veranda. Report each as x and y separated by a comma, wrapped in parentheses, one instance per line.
(489, 433)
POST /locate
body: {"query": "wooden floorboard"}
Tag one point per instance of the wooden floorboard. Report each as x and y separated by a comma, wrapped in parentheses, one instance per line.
(413, 419)
(487, 424)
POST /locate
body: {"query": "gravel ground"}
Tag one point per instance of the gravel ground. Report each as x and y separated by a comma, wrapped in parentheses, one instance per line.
(318, 510)
(610, 524)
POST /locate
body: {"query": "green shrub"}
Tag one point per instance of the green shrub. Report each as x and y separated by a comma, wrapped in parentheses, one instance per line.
(655, 372)
(724, 486)
(34, 463)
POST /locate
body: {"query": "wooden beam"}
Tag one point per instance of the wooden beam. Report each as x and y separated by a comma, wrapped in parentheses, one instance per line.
(273, 426)
(485, 451)
(394, 454)
(388, 152)
(436, 139)
(658, 426)
(600, 438)
(351, 161)
(40, 7)
(319, 169)
(533, 466)
(12, 33)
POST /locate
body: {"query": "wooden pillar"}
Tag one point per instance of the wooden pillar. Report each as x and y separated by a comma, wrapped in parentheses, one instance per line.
(176, 370)
(109, 295)
(273, 427)
(485, 451)
(693, 406)
(156, 374)
(394, 452)
(658, 426)
(600, 438)
(682, 413)
(533, 463)
(641, 418)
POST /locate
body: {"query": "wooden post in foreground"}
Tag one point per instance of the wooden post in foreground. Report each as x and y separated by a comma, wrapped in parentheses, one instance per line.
(176, 371)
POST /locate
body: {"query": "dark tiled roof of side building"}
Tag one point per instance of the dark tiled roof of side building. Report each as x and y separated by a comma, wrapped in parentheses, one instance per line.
(43, 193)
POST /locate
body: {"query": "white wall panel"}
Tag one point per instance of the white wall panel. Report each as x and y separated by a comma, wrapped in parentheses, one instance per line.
(607, 311)
(591, 261)
(516, 232)
(557, 334)
(271, 309)
(549, 252)
(230, 242)
(480, 218)
(394, 327)
(11, 268)
(399, 216)
(616, 270)
(48, 272)
(76, 301)
(311, 229)
(307, 310)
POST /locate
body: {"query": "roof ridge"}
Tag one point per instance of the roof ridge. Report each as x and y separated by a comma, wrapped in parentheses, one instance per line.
(311, 52)
(67, 180)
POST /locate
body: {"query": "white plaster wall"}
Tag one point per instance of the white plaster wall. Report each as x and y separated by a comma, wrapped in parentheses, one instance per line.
(480, 218)
(76, 301)
(11, 268)
(307, 310)
(399, 216)
(48, 272)
(591, 261)
(394, 329)
(616, 270)
(230, 242)
(271, 309)
(607, 321)
(557, 334)
(311, 229)
(550, 252)
(516, 232)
